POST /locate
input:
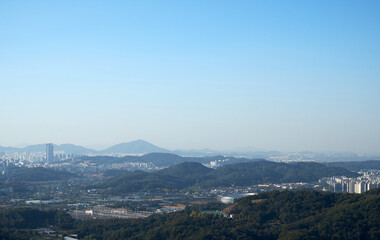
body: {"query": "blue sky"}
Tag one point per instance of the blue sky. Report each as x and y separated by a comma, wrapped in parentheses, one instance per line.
(274, 75)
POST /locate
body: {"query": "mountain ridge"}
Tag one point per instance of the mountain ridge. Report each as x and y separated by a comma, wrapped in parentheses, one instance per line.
(67, 148)
(140, 147)
(133, 147)
(188, 174)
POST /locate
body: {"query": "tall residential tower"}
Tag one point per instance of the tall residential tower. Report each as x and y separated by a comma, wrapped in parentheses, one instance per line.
(49, 152)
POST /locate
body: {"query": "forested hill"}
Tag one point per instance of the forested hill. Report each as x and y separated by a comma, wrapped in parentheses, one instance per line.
(39, 174)
(190, 174)
(243, 174)
(178, 176)
(273, 215)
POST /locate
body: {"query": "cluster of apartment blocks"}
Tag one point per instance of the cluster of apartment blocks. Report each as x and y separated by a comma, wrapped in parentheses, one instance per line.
(369, 180)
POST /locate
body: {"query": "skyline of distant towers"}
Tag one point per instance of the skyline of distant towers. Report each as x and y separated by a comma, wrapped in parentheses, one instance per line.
(49, 152)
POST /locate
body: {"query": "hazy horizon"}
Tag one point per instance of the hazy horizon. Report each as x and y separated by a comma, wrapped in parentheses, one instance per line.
(285, 76)
(240, 150)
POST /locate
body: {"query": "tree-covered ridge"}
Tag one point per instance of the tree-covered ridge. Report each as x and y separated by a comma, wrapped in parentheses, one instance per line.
(273, 215)
(189, 174)
(142, 181)
(243, 174)
(22, 174)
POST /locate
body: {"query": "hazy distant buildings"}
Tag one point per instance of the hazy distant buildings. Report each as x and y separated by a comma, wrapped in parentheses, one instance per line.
(359, 187)
(351, 187)
(369, 180)
(4, 168)
(49, 153)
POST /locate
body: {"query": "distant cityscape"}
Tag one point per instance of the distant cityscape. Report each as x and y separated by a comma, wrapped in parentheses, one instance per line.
(41, 155)
(72, 181)
(369, 180)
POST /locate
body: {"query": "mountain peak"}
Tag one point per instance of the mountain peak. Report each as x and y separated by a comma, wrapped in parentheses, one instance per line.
(135, 147)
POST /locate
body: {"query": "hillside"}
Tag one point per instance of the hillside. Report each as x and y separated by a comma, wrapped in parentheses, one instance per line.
(158, 159)
(187, 174)
(243, 174)
(38, 174)
(162, 159)
(282, 215)
(176, 177)
(186, 170)
(143, 181)
(273, 215)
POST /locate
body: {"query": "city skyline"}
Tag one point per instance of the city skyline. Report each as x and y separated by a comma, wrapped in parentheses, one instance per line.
(286, 76)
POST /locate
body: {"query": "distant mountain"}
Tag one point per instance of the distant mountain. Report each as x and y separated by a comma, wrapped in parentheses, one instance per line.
(134, 147)
(34, 148)
(67, 148)
(356, 165)
(8, 149)
(140, 147)
(71, 148)
(189, 174)
(161, 159)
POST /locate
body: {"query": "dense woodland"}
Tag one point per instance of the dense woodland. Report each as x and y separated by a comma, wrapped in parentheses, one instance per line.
(271, 215)
(19, 223)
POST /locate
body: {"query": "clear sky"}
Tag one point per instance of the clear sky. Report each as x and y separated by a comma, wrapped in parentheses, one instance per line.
(274, 75)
